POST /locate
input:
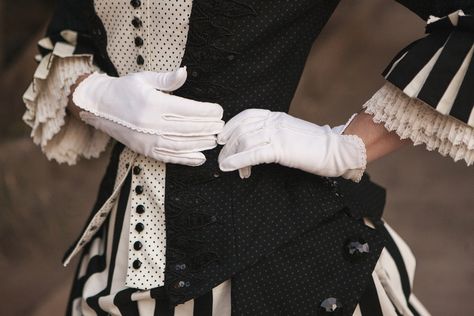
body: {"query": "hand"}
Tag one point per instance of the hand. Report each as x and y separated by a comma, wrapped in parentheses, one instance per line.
(135, 110)
(257, 136)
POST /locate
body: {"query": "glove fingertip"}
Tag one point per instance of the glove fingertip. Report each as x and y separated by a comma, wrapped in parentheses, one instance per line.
(245, 172)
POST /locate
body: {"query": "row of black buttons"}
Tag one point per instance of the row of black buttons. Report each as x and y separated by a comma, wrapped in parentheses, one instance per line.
(137, 23)
(140, 209)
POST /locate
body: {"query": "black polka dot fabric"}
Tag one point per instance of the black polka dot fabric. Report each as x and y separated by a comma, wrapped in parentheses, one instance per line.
(250, 54)
(312, 268)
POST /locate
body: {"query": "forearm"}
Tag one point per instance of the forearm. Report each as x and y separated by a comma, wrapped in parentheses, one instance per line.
(377, 139)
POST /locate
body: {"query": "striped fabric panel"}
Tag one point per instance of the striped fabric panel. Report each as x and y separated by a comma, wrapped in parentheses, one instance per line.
(389, 293)
(99, 287)
(439, 69)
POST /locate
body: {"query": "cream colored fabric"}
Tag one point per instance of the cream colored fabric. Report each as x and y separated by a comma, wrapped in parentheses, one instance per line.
(61, 137)
(164, 32)
(413, 119)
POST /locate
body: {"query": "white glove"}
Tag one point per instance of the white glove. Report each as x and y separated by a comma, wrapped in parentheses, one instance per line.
(134, 110)
(258, 136)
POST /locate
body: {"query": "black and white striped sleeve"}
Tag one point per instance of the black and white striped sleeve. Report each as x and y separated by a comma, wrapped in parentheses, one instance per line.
(439, 68)
(429, 94)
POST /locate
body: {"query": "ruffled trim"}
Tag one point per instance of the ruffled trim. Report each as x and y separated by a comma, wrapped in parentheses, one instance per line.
(413, 119)
(439, 68)
(76, 140)
(61, 137)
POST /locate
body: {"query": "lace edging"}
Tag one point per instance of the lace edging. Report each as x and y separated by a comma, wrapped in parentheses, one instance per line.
(413, 119)
(60, 137)
(356, 174)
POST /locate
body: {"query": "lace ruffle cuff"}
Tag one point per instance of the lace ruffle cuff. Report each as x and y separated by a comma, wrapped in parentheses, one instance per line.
(413, 119)
(60, 136)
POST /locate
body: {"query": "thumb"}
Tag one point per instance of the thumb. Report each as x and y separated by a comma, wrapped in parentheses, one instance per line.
(166, 81)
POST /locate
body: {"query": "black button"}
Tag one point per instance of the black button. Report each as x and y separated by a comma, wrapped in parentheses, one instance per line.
(127, 165)
(137, 245)
(137, 264)
(138, 41)
(137, 170)
(139, 227)
(195, 73)
(330, 306)
(137, 23)
(136, 3)
(356, 249)
(140, 60)
(138, 189)
(140, 209)
(231, 57)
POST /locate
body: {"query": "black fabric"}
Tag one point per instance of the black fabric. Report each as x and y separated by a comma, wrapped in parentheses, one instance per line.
(454, 39)
(369, 303)
(80, 16)
(418, 54)
(450, 60)
(282, 230)
(162, 306)
(203, 305)
(122, 301)
(425, 8)
(297, 277)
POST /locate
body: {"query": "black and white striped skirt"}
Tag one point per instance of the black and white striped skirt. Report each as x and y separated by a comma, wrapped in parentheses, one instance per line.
(99, 285)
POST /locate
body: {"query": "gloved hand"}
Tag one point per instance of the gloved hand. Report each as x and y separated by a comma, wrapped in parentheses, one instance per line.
(135, 110)
(258, 136)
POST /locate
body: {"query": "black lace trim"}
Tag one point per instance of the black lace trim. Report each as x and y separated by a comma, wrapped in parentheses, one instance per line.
(211, 24)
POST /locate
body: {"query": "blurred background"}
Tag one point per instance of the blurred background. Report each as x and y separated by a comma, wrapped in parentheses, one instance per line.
(43, 205)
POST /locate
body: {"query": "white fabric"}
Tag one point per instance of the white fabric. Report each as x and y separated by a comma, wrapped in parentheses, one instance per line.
(134, 110)
(153, 238)
(60, 136)
(257, 136)
(164, 33)
(414, 119)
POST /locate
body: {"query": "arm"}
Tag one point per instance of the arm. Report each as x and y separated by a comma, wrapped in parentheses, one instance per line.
(377, 139)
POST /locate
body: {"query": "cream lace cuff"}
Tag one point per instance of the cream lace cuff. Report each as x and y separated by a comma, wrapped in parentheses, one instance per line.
(61, 137)
(414, 119)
